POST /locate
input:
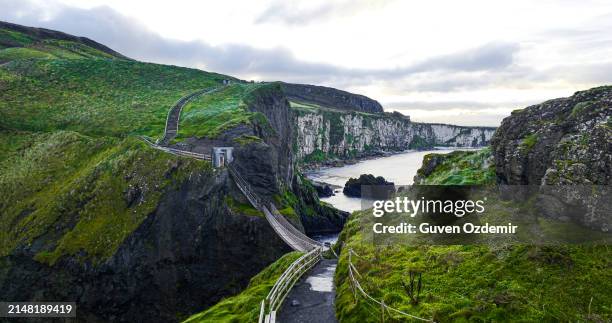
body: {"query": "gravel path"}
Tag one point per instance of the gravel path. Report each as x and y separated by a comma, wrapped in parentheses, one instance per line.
(312, 298)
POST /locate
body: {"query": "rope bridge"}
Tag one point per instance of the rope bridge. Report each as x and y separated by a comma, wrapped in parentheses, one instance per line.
(296, 239)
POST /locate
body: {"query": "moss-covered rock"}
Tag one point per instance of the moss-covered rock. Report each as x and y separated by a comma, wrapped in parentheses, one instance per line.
(457, 168)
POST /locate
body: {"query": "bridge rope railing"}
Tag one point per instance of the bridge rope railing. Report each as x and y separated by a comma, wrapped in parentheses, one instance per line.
(175, 151)
(356, 287)
(291, 235)
(294, 242)
(284, 284)
(244, 186)
(292, 228)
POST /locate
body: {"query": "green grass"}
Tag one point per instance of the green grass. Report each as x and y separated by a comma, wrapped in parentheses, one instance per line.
(18, 46)
(286, 204)
(529, 141)
(15, 38)
(480, 283)
(242, 208)
(580, 107)
(209, 115)
(13, 53)
(316, 156)
(461, 168)
(73, 49)
(246, 140)
(69, 192)
(74, 180)
(418, 142)
(94, 97)
(48, 50)
(245, 306)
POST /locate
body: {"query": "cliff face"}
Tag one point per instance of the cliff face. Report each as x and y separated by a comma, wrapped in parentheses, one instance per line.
(561, 141)
(325, 132)
(564, 145)
(195, 228)
(270, 165)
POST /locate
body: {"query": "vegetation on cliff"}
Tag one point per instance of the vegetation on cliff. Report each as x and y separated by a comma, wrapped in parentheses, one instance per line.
(325, 133)
(457, 168)
(477, 283)
(245, 306)
(63, 193)
(28, 43)
(565, 141)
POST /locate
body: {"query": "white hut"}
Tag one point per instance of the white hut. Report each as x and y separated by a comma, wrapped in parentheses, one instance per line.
(222, 156)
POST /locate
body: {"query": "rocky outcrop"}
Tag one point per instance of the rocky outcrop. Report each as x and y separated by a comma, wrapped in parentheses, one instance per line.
(561, 141)
(323, 134)
(323, 190)
(269, 166)
(275, 127)
(563, 145)
(330, 97)
(353, 185)
(316, 217)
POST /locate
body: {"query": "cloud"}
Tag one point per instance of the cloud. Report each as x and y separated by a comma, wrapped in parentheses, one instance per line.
(507, 66)
(304, 12)
(135, 40)
(446, 105)
(491, 56)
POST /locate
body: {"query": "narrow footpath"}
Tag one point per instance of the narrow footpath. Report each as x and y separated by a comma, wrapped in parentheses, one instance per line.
(312, 298)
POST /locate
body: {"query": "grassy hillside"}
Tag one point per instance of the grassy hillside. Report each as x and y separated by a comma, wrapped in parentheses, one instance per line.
(480, 283)
(72, 194)
(245, 306)
(20, 42)
(94, 97)
(209, 115)
(54, 81)
(73, 178)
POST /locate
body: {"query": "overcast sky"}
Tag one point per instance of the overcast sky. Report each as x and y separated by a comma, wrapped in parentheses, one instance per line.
(463, 62)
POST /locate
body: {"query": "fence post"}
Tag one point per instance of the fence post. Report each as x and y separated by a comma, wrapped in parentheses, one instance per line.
(262, 311)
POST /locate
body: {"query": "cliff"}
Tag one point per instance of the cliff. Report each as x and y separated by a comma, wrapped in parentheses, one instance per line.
(563, 147)
(330, 97)
(323, 133)
(128, 232)
(560, 141)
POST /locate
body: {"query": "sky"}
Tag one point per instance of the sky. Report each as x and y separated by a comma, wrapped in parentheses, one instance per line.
(462, 62)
